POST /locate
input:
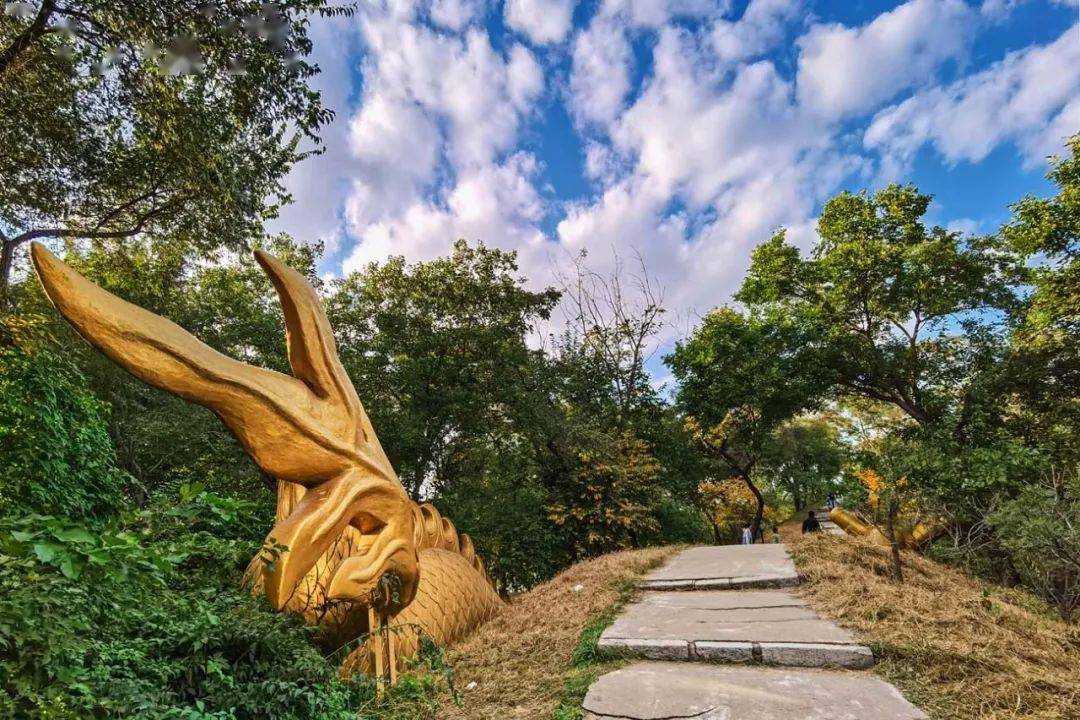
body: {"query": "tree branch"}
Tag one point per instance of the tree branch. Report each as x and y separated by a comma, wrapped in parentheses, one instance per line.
(36, 29)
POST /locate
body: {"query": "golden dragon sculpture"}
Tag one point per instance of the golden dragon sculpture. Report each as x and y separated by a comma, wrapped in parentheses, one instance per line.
(909, 536)
(349, 549)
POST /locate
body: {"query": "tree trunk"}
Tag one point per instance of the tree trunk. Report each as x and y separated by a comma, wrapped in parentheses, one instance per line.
(7, 260)
(760, 504)
(894, 508)
(718, 538)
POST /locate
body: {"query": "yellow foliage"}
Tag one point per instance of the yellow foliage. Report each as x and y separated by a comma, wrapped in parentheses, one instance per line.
(732, 506)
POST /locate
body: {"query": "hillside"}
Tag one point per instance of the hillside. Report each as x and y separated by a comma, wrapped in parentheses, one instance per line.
(957, 647)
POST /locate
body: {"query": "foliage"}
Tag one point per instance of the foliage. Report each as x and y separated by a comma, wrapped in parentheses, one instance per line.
(804, 457)
(608, 502)
(140, 617)
(881, 294)
(124, 119)
(1043, 374)
(504, 513)
(55, 453)
(732, 507)
(740, 377)
(1040, 529)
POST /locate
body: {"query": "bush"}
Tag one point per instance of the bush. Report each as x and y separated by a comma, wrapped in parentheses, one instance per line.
(1040, 530)
(56, 456)
(142, 618)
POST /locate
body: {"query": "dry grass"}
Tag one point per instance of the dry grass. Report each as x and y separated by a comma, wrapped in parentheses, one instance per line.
(520, 660)
(955, 646)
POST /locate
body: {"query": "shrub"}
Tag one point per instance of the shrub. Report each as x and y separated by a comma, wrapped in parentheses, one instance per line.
(140, 618)
(1040, 530)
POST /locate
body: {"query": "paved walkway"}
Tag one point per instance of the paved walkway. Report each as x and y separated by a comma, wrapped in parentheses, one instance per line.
(697, 611)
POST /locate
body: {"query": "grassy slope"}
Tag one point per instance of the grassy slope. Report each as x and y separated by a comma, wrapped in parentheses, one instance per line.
(955, 646)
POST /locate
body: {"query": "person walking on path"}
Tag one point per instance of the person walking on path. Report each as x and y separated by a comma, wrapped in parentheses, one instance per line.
(831, 502)
(775, 537)
(747, 536)
(811, 524)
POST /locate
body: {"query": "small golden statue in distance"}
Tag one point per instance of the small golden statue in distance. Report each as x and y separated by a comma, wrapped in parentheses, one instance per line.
(349, 550)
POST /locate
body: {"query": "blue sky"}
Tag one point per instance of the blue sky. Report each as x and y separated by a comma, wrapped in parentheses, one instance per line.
(683, 131)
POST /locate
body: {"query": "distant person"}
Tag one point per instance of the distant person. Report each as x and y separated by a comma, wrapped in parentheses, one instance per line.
(775, 538)
(747, 536)
(810, 524)
(831, 502)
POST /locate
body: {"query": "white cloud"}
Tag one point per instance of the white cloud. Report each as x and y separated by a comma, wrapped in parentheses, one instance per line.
(495, 204)
(655, 13)
(542, 21)
(1031, 98)
(456, 14)
(719, 145)
(600, 78)
(720, 160)
(761, 26)
(847, 71)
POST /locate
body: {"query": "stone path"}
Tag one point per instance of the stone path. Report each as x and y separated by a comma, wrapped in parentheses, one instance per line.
(664, 691)
(725, 567)
(697, 612)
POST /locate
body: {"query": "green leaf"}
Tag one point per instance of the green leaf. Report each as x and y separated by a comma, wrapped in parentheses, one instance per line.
(71, 567)
(47, 552)
(75, 534)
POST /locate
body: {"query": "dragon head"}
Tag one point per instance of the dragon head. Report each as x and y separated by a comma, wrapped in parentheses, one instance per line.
(309, 429)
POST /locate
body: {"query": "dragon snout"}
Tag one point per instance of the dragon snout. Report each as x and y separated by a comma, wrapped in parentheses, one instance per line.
(376, 566)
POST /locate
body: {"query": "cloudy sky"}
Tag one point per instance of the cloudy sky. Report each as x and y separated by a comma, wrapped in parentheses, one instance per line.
(683, 130)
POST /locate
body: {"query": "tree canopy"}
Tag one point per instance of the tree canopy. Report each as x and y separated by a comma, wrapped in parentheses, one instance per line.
(168, 119)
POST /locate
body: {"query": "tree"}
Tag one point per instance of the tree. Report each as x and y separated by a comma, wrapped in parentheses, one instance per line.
(803, 457)
(740, 377)
(612, 324)
(168, 119)
(437, 353)
(731, 506)
(609, 501)
(1043, 373)
(899, 309)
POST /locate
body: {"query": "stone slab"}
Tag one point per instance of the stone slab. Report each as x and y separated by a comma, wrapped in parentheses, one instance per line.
(725, 616)
(725, 566)
(663, 691)
(791, 654)
(728, 652)
(651, 649)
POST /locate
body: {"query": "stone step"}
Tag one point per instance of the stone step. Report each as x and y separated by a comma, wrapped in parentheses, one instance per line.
(725, 567)
(773, 627)
(661, 691)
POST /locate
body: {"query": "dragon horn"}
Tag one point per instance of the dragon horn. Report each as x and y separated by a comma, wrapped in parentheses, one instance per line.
(300, 430)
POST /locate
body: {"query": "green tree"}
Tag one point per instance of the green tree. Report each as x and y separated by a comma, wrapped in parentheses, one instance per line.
(167, 119)
(610, 499)
(803, 457)
(437, 352)
(902, 311)
(740, 377)
(1043, 373)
